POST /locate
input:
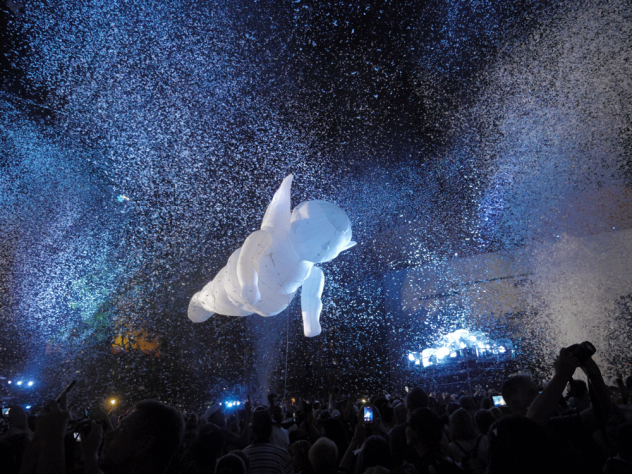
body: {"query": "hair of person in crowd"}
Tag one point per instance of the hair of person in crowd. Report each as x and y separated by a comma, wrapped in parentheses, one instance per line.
(483, 419)
(149, 438)
(323, 456)
(461, 426)
(299, 453)
(374, 452)
(417, 398)
(520, 446)
(452, 407)
(486, 403)
(425, 429)
(519, 391)
(400, 412)
(468, 403)
(261, 426)
(335, 431)
(230, 464)
(497, 412)
(243, 456)
(206, 448)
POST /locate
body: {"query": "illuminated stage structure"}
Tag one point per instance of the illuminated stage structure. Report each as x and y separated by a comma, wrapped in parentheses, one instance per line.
(464, 359)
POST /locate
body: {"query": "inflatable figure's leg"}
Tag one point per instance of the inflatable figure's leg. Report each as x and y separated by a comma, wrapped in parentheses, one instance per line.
(253, 249)
(311, 305)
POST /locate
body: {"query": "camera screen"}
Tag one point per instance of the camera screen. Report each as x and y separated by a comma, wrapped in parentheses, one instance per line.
(499, 401)
(368, 414)
(5, 411)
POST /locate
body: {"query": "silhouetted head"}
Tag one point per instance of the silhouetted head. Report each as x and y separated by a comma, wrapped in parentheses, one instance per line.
(416, 398)
(323, 455)
(230, 464)
(519, 391)
(261, 426)
(144, 441)
(424, 429)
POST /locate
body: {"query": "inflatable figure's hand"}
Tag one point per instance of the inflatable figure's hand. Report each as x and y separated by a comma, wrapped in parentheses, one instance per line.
(311, 305)
(250, 292)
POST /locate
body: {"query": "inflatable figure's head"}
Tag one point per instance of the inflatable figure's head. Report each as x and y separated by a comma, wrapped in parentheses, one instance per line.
(319, 231)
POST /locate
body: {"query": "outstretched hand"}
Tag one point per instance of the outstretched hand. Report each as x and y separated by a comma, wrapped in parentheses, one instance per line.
(566, 363)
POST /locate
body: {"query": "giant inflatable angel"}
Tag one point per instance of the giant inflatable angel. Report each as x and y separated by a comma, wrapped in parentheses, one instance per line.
(263, 275)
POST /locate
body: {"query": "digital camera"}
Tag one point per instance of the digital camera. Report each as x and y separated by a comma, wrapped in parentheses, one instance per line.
(582, 351)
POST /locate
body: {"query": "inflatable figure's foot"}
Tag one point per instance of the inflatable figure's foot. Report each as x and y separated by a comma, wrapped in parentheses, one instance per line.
(196, 312)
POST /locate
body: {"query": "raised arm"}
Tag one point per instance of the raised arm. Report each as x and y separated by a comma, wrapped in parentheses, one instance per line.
(544, 404)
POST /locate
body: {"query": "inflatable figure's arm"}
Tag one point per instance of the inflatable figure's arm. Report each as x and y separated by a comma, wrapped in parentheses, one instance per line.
(311, 305)
(253, 249)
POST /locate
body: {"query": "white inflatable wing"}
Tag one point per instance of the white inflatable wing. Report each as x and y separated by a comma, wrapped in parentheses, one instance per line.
(311, 304)
(279, 212)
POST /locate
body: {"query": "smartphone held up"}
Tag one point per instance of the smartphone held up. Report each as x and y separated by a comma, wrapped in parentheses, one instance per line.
(368, 414)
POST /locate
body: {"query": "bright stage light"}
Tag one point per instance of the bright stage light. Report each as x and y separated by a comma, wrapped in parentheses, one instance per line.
(28, 407)
(442, 352)
(9, 381)
(19, 382)
(30, 384)
(113, 401)
(461, 344)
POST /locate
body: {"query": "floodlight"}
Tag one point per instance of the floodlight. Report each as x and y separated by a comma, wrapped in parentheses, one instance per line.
(30, 384)
(442, 352)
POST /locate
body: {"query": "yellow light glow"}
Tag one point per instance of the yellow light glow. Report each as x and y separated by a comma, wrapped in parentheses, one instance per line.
(113, 401)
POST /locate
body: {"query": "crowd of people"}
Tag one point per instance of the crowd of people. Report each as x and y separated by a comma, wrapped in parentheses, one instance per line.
(568, 426)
